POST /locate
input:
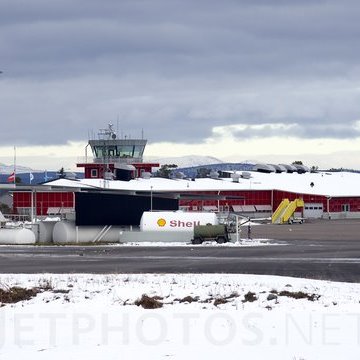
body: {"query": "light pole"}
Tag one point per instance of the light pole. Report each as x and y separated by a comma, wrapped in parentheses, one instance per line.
(328, 198)
(151, 198)
(237, 228)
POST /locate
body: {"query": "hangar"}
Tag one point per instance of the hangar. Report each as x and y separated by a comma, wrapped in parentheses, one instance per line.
(117, 168)
(255, 194)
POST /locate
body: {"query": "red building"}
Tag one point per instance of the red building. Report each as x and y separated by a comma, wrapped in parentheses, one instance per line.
(117, 165)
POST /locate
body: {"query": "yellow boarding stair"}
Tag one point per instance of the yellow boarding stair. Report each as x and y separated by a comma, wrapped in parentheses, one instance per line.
(285, 210)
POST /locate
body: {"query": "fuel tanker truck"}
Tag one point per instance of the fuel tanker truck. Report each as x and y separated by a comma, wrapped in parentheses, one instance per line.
(175, 220)
(172, 226)
(218, 233)
(201, 226)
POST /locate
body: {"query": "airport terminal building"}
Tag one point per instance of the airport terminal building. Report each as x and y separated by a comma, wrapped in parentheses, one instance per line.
(116, 172)
(254, 194)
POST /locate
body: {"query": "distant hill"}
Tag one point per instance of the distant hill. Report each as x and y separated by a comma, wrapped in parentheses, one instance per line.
(39, 177)
(188, 165)
(184, 161)
(192, 171)
(23, 173)
(8, 169)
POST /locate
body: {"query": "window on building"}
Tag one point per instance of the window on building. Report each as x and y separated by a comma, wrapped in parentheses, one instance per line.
(184, 208)
(138, 150)
(94, 173)
(345, 207)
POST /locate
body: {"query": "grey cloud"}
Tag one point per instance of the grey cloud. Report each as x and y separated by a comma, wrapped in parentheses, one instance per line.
(177, 68)
(246, 37)
(330, 131)
(309, 131)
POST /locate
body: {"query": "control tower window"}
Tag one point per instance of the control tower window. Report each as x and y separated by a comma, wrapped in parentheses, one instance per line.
(127, 151)
(100, 151)
(138, 151)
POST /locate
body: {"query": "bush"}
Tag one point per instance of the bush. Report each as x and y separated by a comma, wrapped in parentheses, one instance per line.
(16, 294)
(249, 297)
(148, 302)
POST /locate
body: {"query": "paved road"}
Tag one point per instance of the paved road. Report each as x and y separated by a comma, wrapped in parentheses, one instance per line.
(312, 230)
(331, 260)
(320, 249)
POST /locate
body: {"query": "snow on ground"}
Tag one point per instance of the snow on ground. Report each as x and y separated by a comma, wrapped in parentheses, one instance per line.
(225, 315)
(240, 243)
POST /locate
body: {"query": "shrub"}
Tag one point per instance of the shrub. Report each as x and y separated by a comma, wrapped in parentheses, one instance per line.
(148, 302)
(16, 294)
(249, 297)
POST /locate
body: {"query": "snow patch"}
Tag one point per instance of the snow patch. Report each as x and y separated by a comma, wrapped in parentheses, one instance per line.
(204, 316)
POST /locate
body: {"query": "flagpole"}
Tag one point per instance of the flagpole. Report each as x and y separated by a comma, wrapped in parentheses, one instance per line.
(14, 165)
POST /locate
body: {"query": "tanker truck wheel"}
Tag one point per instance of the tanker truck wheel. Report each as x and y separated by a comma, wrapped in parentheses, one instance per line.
(220, 240)
(197, 240)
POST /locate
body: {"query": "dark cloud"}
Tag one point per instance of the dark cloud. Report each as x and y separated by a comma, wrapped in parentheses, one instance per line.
(308, 131)
(177, 68)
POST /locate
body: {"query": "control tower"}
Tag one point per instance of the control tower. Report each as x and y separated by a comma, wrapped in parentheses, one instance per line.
(115, 158)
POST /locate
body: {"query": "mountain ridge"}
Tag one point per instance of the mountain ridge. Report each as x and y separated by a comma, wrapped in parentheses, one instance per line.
(180, 161)
(8, 169)
(184, 161)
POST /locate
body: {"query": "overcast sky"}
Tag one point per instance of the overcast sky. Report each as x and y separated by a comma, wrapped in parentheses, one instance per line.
(271, 80)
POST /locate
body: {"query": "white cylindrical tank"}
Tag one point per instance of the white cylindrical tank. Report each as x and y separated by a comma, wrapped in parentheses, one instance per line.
(175, 220)
(17, 237)
(46, 229)
(66, 232)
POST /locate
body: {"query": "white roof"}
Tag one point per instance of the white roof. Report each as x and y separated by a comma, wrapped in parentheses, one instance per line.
(209, 208)
(248, 208)
(59, 210)
(336, 184)
(263, 207)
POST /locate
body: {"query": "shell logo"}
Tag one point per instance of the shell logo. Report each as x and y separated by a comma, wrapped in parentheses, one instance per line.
(161, 222)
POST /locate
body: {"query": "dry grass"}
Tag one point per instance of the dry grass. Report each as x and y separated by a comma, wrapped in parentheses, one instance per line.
(220, 301)
(16, 294)
(188, 299)
(296, 295)
(299, 295)
(148, 302)
(249, 297)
